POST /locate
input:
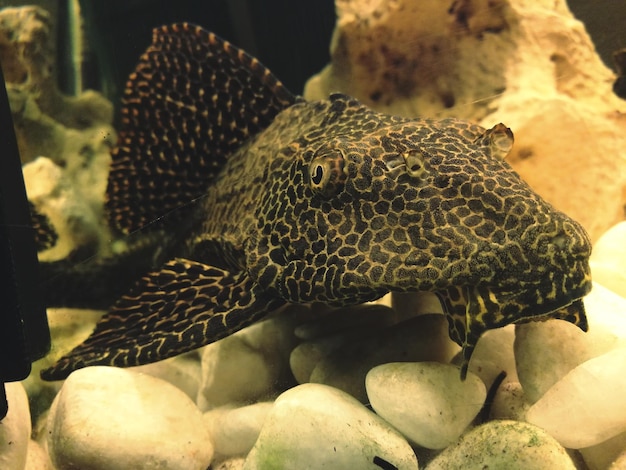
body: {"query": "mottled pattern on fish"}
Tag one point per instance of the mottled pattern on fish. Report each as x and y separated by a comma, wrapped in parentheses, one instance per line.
(264, 199)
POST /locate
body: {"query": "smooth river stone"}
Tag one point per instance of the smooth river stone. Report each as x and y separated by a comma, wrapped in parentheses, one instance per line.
(15, 428)
(37, 457)
(509, 403)
(608, 259)
(504, 445)
(183, 371)
(603, 455)
(588, 405)
(235, 430)
(421, 338)
(426, 401)
(105, 418)
(305, 357)
(546, 351)
(315, 426)
(250, 365)
(494, 355)
(331, 329)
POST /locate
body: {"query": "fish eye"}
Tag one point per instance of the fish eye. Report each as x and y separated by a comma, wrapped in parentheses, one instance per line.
(414, 161)
(317, 174)
(326, 172)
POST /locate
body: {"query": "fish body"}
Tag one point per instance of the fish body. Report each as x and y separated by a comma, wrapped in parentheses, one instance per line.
(260, 198)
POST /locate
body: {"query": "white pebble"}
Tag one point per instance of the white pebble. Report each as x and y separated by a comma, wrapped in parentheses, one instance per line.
(234, 431)
(314, 426)
(183, 371)
(546, 351)
(110, 418)
(230, 464)
(619, 463)
(504, 445)
(37, 458)
(15, 428)
(421, 338)
(606, 312)
(426, 401)
(587, 406)
(494, 355)
(509, 402)
(608, 259)
(601, 456)
(305, 357)
(330, 330)
(250, 365)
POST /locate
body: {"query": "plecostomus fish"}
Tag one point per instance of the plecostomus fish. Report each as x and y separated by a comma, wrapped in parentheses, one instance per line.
(247, 197)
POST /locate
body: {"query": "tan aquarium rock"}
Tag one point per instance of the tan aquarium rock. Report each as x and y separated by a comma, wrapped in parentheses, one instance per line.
(74, 132)
(529, 64)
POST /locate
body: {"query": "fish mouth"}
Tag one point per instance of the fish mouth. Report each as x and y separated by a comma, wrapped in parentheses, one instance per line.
(472, 310)
(545, 297)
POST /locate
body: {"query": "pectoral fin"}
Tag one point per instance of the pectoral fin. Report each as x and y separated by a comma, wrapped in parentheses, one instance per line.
(183, 306)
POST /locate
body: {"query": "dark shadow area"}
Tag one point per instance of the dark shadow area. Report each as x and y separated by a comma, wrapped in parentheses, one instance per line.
(290, 38)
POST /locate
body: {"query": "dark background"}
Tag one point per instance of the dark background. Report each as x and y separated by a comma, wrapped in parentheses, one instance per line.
(290, 37)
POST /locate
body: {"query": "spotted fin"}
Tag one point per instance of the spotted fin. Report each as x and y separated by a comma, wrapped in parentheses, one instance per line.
(183, 306)
(45, 235)
(192, 100)
(574, 313)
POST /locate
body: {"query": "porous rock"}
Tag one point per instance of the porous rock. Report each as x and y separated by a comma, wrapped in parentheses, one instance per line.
(588, 405)
(57, 196)
(15, 428)
(315, 426)
(504, 444)
(74, 133)
(46, 121)
(110, 418)
(426, 401)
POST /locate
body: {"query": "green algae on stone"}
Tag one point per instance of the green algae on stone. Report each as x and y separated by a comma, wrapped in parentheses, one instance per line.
(504, 444)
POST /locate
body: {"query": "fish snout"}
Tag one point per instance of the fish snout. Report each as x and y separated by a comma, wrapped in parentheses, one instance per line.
(573, 240)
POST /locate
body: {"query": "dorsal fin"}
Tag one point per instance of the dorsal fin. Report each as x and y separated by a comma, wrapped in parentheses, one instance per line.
(192, 100)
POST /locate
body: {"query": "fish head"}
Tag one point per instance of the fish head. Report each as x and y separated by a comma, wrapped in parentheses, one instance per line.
(420, 205)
